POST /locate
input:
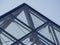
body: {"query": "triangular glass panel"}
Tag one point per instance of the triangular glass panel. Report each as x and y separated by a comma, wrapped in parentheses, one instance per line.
(37, 22)
(5, 40)
(58, 35)
(21, 16)
(45, 32)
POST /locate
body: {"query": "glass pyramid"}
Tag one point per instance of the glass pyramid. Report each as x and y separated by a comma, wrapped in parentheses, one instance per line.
(26, 26)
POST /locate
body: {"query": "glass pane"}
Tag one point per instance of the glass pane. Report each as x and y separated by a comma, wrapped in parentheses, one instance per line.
(21, 16)
(5, 40)
(45, 32)
(43, 41)
(58, 35)
(37, 22)
(38, 15)
(16, 30)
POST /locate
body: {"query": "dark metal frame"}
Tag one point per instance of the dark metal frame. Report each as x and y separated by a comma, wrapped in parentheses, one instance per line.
(45, 19)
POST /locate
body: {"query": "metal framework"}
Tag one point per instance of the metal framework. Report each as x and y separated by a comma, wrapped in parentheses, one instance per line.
(34, 32)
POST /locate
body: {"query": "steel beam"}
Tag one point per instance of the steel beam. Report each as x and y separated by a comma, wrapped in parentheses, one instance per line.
(34, 37)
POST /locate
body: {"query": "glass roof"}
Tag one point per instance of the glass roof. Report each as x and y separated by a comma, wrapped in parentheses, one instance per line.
(25, 26)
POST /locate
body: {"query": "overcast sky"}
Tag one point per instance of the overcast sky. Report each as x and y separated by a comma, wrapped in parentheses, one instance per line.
(50, 8)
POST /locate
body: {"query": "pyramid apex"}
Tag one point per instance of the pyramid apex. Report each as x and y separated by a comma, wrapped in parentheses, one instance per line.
(24, 4)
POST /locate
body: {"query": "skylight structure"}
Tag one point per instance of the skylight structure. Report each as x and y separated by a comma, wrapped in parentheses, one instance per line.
(26, 26)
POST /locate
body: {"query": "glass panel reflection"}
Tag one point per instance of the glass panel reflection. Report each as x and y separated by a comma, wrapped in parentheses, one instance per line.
(5, 40)
(21, 16)
(16, 30)
(46, 32)
(58, 35)
(37, 22)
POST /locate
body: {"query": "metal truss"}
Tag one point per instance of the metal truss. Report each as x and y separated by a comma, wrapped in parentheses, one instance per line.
(34, 35)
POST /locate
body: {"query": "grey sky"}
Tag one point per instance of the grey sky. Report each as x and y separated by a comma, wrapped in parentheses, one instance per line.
(50, 8)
